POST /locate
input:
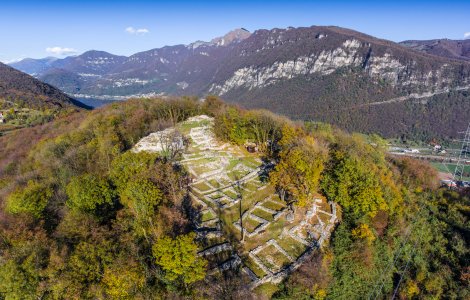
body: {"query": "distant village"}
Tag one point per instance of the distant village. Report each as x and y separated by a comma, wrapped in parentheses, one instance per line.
(436, 148)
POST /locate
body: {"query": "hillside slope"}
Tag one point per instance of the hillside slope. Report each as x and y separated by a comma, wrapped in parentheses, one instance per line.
(16, 86)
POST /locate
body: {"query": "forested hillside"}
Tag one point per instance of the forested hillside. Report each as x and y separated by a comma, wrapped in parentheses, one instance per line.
(85, 216)
(26, 101)
(18, 87)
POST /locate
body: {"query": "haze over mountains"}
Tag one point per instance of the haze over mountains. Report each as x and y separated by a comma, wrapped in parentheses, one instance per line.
(330, 74)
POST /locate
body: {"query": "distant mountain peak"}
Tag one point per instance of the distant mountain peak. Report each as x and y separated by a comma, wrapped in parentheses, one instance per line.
(235, 35)
(97, 53)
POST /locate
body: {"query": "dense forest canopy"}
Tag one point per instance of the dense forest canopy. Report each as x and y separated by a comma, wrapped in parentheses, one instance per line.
(83, 216)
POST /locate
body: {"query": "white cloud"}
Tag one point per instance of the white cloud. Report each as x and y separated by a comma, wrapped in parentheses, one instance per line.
(466, 35)
(10, 61)
(136, 31)
(61, 50)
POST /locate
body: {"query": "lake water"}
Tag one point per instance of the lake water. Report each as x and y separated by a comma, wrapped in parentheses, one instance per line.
(95, 103)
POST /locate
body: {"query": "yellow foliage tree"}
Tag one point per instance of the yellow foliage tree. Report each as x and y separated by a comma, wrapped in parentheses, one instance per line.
(123, 281)
(297, 175)
(179, 259)
(363, 231)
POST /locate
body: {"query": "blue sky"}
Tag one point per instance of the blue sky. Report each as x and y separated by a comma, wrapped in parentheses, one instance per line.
(56, 28)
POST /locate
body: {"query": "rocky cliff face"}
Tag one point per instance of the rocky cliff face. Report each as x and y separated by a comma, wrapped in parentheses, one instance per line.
(381, 65)
(324, 63)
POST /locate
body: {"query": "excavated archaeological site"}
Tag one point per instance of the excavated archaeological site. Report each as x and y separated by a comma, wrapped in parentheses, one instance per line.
(242, 221)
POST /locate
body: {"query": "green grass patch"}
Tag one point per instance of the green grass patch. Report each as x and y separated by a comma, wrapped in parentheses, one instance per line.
(266, 290)
(303, 233)
(186, 127)
(325, 206)
(232, 164)
(215, 196)
(254, 267)
(236, 175)
(263, 214)
(250, 225)
(291, 246)
(223, 201)
(225, 181)
(314, 221)
(230, 194)
(272, 258)
(273, 230)
(194, 156)
(324, 217)
(214, 183)
(274, 205)
(201, 186)
(253, 185)
(203, 160)
(253, 161)
(450, 168)
(207, 215)
(200, 169)
(250, 199)
(250, 165)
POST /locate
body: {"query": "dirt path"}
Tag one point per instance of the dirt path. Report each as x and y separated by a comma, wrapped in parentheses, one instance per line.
(414, 96)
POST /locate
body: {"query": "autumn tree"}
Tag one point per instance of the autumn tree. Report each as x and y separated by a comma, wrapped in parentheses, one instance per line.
(123, 279)
(87, 192)
(129, 165)
(264, 128)
(19, 280)
(179, 260)
(301, 162)
(32, 199)
(141, 196)
(354, 185)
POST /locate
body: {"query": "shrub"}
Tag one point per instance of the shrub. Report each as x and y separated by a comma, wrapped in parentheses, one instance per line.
(31, 199)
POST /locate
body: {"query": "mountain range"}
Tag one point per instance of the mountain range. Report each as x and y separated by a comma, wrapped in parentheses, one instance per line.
(330, 74)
